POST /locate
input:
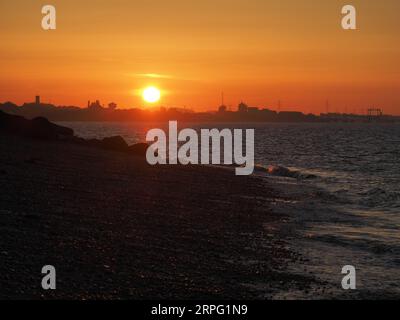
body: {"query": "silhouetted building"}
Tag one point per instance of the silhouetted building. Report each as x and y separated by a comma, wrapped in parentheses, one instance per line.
(252, 109)
(222, 109)
(112, 106)
(94, 105)
(242, 107)
(375, 112)
(290, 116)
(268, 112)
(37, 100)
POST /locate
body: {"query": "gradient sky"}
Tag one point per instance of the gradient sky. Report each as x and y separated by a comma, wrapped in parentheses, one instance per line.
(259, 51)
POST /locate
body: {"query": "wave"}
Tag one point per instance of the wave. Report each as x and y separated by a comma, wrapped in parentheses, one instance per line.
(284, 172)
(380, 197)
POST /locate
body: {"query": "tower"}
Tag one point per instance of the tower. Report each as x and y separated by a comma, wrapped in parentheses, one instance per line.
(37, 100)
(243, 107)
(222, 108)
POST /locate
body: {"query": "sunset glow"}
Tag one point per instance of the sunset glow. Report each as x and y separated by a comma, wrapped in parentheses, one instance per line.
(151, 95)
(289, 54)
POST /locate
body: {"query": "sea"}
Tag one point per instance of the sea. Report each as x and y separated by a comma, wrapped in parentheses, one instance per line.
(345, 186)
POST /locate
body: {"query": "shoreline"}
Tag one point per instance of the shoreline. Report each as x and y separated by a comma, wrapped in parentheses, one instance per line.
(116, 228)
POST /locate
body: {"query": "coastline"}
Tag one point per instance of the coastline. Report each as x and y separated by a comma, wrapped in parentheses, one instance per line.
(116, 228)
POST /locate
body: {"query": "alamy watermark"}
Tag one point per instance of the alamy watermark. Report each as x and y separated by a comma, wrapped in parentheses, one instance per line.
(349, 281)
(188, 147)
(49, 21)
(49, 280)
(349, 20)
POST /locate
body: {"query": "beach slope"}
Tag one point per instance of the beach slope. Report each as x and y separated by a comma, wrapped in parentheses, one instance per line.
(116, 228)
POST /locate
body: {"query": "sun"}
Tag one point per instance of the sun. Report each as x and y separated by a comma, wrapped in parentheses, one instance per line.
(151, 94)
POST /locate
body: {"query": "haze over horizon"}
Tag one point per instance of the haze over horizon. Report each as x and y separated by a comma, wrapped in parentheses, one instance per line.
(258, 51)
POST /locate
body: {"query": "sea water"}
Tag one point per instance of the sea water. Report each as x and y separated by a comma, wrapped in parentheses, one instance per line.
(348, 190)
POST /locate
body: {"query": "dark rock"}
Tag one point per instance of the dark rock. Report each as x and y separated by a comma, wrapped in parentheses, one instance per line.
(12, 124)
(39, 128)
(44, 129)
(258, 168)
(285, 172)
(32, 160)
(280, 171)
(116, 143)
(78, 140)
(90, 142)
(138, 149)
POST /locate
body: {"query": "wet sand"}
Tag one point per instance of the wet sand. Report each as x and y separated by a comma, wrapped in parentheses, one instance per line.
(117, 228)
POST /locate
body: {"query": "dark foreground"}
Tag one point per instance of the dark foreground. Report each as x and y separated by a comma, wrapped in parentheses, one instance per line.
(116, 228)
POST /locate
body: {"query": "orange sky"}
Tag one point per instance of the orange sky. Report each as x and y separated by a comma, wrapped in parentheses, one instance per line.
(256, 50)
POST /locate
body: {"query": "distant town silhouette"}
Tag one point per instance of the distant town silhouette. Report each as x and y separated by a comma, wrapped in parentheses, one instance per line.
(96, 111)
